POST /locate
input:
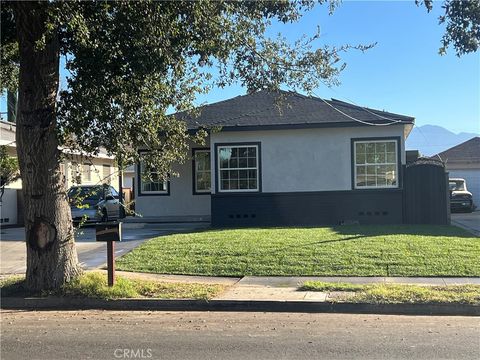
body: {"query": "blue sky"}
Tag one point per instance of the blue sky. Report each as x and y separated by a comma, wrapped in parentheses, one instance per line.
(402, 74)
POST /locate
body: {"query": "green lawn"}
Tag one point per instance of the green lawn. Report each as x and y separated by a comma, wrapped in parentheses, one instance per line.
(94, 285)
(400, 293)
(356, 250)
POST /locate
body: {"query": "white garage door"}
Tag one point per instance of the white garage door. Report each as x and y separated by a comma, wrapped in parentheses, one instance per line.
(472, 177)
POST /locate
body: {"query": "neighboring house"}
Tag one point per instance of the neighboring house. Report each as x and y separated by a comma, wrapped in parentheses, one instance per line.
(463, 161)
(128, 185)
(75, 168)
(293, 160)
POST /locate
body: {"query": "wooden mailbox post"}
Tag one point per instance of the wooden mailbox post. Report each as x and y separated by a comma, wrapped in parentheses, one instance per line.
(109, 232)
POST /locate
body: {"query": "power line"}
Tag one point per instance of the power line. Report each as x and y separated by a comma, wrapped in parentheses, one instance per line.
(358, 120)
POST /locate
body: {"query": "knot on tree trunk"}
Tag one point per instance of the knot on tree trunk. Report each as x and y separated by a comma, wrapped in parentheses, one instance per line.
(42, 234)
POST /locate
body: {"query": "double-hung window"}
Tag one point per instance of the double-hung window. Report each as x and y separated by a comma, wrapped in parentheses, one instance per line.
(87, 172)
(202, 172)
(76, 173)
(238, 168)
(151, 182)
(375, 164)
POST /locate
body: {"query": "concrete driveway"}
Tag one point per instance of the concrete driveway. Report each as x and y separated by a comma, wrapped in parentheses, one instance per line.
(468, 221)
(91, 254)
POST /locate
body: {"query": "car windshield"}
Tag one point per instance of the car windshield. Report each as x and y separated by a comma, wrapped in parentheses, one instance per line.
(85, 195)
(457, 185)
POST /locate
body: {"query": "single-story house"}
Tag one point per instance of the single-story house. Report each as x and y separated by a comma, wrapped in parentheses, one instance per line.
(463, 161)
(76, 170)
(288, 160)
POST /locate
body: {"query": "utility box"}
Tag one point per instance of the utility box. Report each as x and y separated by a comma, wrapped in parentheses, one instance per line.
(109, 231)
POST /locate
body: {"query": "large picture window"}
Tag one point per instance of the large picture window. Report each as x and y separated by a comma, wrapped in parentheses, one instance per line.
(201, 171)
(376, 164)
(150, 181)
(238, 168)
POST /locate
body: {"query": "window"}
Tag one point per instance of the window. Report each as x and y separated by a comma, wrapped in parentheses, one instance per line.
(201, 171)
(150, 182)
(76, 173)
(376, 164)
(87, 172)
(62, 174)
(106, 178)
(238, 168)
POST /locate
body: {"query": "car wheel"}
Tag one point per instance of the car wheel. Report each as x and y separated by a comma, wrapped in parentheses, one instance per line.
(104, 215)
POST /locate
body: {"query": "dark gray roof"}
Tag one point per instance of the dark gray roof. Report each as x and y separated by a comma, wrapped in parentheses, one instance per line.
(285, 109)
(467, 152)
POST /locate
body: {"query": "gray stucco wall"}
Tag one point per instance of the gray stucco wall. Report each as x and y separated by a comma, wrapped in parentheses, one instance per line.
(292, 161)
(307, 159)
(180, 205)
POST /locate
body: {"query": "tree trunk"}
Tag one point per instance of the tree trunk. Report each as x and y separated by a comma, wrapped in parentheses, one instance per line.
(51, 256)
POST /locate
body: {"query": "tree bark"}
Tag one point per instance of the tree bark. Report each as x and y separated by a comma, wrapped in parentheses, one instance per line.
(51, 256)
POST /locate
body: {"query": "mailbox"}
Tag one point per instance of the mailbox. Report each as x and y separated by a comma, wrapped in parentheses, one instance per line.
(109, 231)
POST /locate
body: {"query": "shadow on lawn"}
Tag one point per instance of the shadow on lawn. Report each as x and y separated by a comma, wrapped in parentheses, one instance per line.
(364, 231)
(417, 230)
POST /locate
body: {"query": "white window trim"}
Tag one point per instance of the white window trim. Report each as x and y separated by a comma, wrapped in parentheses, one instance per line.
(243, 168)
(208, 191)
(355, 142)
(162, 192)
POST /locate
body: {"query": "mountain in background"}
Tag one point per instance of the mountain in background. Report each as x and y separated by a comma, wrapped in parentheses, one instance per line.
(432, 139)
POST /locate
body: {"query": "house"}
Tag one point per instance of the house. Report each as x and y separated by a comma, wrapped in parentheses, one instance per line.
(463, 161)
(77, 169)
(285, 159)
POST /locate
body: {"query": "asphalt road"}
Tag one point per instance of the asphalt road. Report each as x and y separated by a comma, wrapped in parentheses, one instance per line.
(189, 335)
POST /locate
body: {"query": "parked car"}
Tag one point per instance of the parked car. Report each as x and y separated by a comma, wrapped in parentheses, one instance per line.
(94, 203)
(460, 197)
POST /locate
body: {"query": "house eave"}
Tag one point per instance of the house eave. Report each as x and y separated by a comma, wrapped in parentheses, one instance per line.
(303, 126)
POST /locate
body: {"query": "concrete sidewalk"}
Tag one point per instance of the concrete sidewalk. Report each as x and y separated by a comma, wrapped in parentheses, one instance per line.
(286, 288)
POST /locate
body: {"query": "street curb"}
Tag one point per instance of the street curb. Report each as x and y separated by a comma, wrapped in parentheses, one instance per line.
(56, 303)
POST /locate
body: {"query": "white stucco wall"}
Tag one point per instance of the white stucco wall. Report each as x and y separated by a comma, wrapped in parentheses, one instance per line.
(8, 208)
(307, 159)
(181, 204)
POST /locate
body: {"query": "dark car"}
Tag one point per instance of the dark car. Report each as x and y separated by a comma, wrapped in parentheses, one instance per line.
(460, 198)
(94, 203)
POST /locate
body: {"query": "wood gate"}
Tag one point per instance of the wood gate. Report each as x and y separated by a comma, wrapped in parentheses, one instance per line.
(426, 193)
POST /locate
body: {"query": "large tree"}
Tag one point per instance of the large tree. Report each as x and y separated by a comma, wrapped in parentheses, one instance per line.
(128, 64)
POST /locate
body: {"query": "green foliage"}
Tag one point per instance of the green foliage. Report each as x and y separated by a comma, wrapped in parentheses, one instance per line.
(9, 171)
(131, 63)
(94, 285)
(462, 25)
(402, 250)
(9, 59)
(400, 293)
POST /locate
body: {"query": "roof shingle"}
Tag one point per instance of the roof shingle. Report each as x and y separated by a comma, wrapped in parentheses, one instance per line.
(467, 152)
(289, 109)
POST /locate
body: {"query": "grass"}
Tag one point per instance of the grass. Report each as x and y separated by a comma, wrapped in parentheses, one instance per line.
(355, 250)
(94, 285)
(398, 293)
